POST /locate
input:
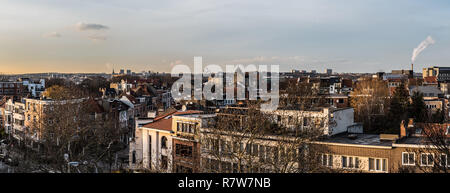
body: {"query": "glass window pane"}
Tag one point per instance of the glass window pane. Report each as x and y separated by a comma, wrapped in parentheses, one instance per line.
(378, 164)
(330, 160)
(405, 158)
(411, 158)
(371, 164)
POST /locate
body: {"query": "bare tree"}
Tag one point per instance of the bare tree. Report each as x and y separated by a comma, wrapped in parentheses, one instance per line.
(432, 149)
(370, 100)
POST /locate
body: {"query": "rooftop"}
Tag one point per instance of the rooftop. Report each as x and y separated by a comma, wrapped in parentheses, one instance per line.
(358, 139)
(164, 122)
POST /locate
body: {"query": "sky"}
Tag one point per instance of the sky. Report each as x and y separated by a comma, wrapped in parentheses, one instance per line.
(102, 35)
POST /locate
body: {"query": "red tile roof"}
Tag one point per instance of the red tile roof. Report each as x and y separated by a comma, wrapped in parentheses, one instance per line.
(430, 79)
(164, 123)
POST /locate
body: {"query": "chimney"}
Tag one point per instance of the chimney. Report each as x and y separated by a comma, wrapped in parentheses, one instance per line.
(402, 129)
(411, 123)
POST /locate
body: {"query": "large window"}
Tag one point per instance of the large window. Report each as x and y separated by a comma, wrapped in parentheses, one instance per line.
(327, 160)
(408, 158)
(426, 159)
(350, 162)
(178, 126)
(377, 164)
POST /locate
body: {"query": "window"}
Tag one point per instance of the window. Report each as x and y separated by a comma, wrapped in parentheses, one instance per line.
(443, 160)
(327, 160)
(447, 131)
(248, 149)
(377, 164)
(255, 150)
(371, 164)
(408, 158)
(350, 162)
(305, 121)
(290, 120)
(262, 154)
(178, 126)
(426, 159)
(133, 159)
(164, 162)
(344, 161)
(183, 150)
(163, 142)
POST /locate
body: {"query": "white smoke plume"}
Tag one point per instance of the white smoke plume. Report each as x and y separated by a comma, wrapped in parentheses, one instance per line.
(422, 46)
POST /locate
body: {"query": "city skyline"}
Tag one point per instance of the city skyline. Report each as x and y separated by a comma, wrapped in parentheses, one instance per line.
(97, 36)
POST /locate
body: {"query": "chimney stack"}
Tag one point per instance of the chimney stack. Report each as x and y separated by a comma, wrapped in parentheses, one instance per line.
(402, 129)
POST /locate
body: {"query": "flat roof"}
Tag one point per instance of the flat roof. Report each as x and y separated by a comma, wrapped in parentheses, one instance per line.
(361, 139)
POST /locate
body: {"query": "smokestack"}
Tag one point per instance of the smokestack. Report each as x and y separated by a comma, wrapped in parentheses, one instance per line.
(412, 67)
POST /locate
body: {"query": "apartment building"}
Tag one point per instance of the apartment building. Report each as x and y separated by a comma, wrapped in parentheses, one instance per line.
(408, 152)
(22, 88)
(358, 152)
(167, 143)
(13, 89)
(15, 119)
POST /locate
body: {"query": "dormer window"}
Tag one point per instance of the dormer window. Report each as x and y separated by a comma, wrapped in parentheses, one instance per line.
(418, 131)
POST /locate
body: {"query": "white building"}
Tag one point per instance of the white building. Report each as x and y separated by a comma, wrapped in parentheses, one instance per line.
(15, 119)
(333, 121)
(35, 88)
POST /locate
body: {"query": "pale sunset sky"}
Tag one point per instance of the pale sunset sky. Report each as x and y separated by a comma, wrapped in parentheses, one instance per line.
(99, 35)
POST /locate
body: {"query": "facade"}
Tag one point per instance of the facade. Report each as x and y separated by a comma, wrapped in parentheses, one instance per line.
(166, 144)
(357, 153)
(15, 119)
(14, 89)
(35, 89)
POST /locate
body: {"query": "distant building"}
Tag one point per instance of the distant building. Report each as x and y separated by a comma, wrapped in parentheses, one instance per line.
(408, 73)
(14, 89)
(329, 71)
(442, 73)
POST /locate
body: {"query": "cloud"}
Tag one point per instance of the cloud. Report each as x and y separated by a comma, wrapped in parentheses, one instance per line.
(52, 35)
(81, 26)
(97, 37)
